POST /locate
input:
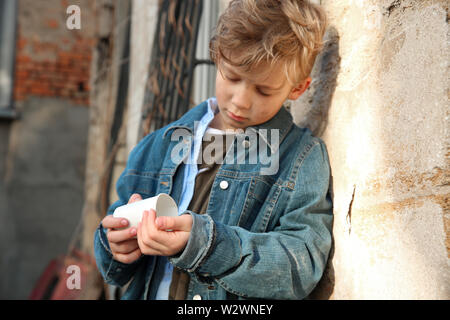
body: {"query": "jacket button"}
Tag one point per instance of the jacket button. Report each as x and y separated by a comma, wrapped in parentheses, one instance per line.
(246, 144)
(197, 297)
(223, 184)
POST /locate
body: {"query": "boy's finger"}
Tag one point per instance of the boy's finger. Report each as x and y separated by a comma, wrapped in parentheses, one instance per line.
(148, 220)
(117, 236)
(110, 222)
(144, 243)
(128, 257)
(124, 247)
(143, 227)
(148, 228)
(135, 197)
(151, 234)
(180, 223)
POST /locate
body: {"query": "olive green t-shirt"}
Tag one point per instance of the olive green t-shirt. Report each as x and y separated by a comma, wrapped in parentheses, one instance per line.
(212, 154)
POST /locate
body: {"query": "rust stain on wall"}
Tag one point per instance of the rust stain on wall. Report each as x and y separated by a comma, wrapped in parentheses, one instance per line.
(432, 182)
(437, 177)
(383, 215)
(444, 202)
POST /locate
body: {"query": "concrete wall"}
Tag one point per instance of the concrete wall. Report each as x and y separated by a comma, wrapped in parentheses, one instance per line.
(42, 189)
(380, 101)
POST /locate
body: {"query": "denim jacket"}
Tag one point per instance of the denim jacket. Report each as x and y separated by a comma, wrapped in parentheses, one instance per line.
(263, 235)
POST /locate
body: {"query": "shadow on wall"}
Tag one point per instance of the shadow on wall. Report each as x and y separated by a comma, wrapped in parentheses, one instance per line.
(311, 109)
(314, 116)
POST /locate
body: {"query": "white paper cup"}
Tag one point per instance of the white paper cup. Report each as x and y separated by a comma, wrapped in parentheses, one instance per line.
(163, 204)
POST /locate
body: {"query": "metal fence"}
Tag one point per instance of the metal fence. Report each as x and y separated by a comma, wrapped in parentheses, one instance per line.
(169, 91)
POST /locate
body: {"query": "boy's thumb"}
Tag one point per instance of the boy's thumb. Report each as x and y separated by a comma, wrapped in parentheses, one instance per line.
(180, 223)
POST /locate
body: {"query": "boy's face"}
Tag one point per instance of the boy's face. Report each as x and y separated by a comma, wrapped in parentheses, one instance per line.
(250, 98)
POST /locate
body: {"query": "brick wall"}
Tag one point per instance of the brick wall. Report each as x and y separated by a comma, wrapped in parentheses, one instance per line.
(51, 60)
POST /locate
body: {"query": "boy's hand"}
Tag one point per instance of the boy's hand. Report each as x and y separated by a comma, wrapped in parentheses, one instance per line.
(153, 239)
(123, 243)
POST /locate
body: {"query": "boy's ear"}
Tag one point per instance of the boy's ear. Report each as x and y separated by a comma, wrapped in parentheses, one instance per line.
(298, 90)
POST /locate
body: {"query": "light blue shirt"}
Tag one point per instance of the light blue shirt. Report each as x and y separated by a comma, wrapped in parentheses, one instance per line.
(187, 193)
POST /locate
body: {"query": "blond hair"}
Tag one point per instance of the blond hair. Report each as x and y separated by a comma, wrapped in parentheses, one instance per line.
(251, 32)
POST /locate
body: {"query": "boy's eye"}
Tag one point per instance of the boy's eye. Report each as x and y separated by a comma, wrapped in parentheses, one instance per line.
(264, 94)
(233, 79)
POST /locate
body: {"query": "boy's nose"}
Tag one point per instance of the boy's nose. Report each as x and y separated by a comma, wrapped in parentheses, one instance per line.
(242, 99)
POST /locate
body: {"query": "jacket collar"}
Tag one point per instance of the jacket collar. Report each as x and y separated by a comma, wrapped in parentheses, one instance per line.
(282, 122)
(187, 121)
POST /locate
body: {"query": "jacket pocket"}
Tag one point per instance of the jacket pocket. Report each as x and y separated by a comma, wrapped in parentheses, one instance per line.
(254, 212)
(144, 183)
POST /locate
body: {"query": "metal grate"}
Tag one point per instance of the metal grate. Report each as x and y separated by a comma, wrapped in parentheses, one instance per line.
(169, 91)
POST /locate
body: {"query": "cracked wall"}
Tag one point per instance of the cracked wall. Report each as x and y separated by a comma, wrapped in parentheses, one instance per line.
(379, 99)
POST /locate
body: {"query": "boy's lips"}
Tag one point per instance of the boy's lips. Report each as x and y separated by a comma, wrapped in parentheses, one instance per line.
(235, 117)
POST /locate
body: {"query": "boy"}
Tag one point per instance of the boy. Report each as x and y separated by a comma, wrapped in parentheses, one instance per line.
(242, 232)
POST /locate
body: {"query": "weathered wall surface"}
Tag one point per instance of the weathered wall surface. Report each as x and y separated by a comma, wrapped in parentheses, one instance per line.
(111, 34)
(144, 17)
(380, 101)
(42, 189)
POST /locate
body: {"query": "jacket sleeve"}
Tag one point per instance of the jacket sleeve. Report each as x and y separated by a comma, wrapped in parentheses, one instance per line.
(284, 263)
(114, 272)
